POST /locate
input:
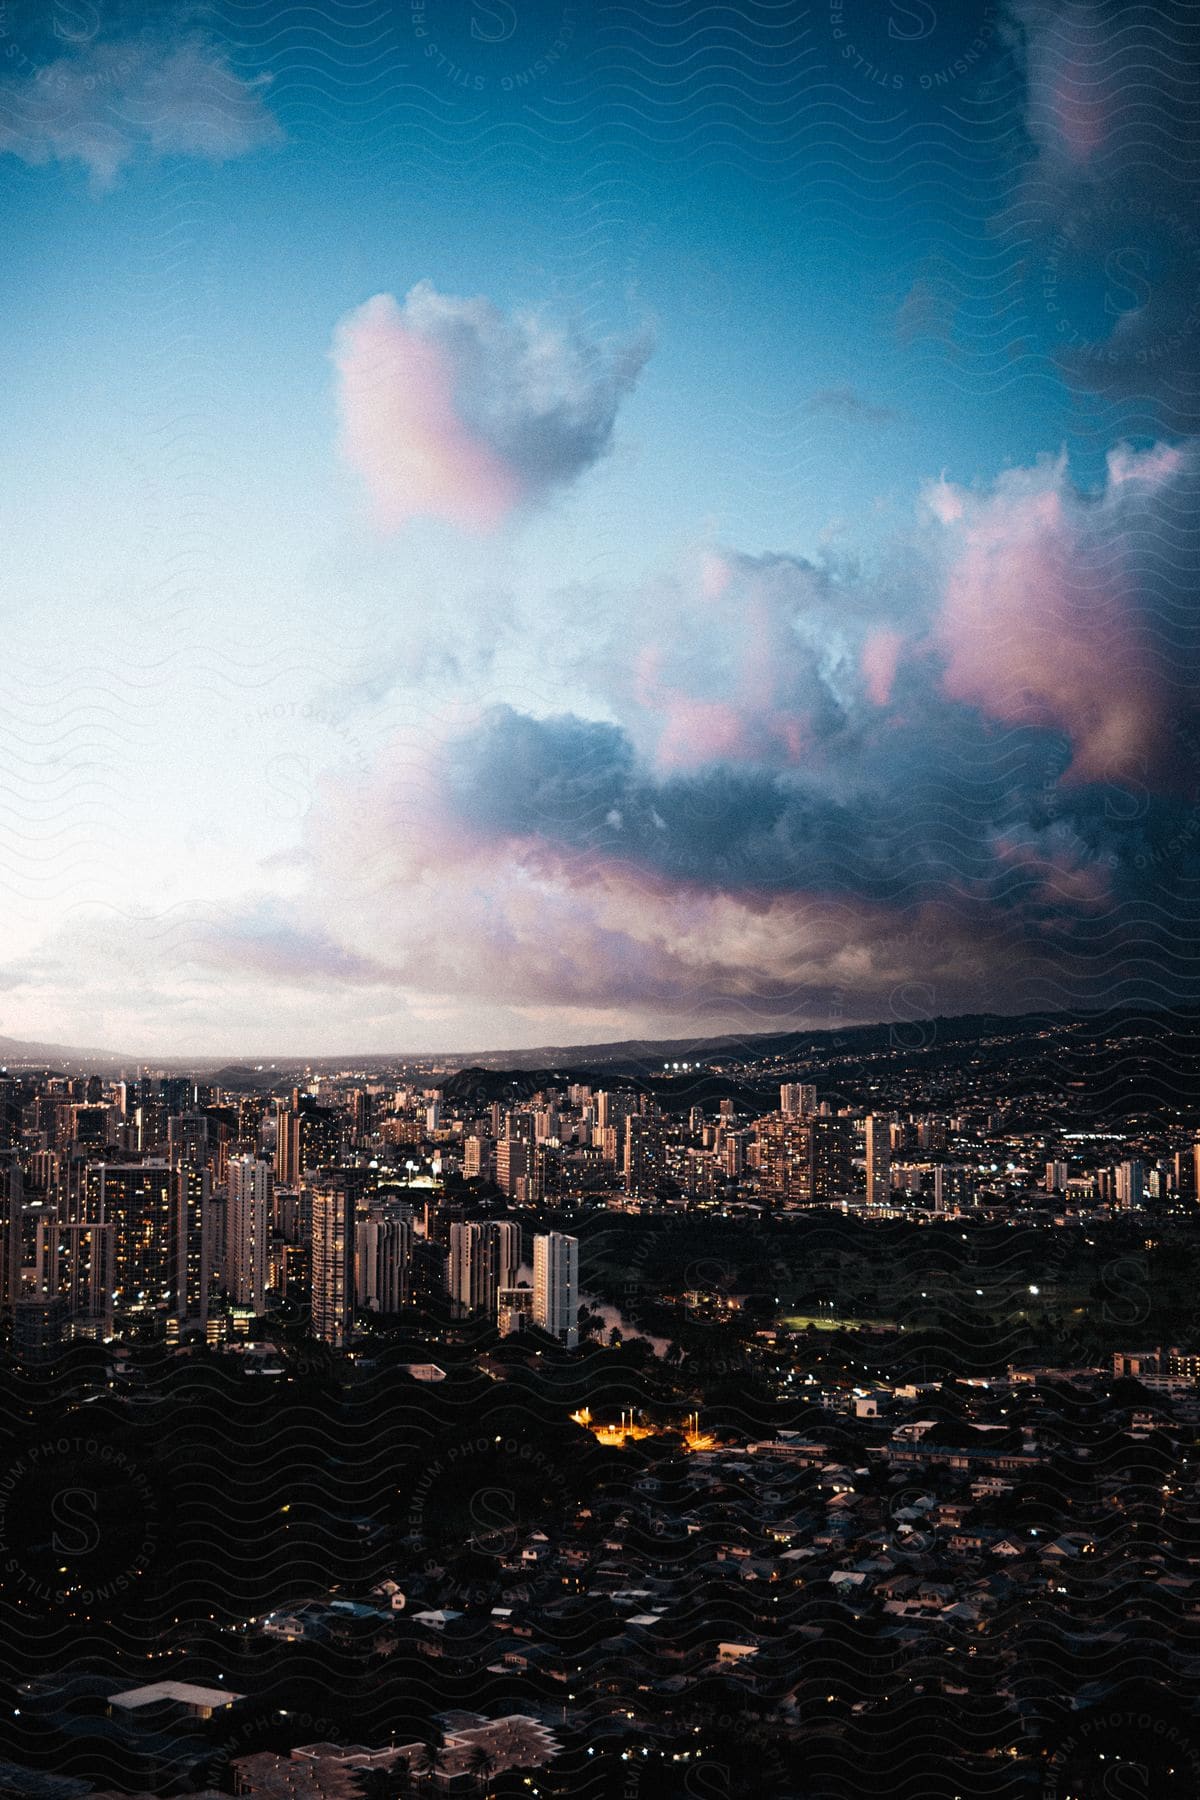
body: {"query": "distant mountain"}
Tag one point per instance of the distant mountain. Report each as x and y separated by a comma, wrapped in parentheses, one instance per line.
(1119, 1062)
(18, 1052)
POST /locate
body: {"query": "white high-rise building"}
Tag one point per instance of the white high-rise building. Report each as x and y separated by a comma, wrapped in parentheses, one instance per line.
(471, 1267)
(556, 1286)
(382, 1250)
(797, 1099)
(248, 1230)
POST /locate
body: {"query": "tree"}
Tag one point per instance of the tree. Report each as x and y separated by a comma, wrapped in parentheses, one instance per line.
(481, 1764)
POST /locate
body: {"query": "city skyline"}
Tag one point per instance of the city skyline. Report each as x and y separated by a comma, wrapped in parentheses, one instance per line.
(599, 899)
(672, 590)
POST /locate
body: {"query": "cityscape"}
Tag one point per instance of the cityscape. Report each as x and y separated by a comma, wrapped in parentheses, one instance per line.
(378, 1430)
(600, 900)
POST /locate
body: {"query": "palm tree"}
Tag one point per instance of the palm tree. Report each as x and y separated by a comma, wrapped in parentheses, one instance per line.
(426, 1761)
(481, 1764)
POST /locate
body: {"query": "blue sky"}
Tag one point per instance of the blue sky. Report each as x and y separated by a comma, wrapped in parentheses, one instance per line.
(731, 364)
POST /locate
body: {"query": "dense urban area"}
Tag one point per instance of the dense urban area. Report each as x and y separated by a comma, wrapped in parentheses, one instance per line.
(804, 1417)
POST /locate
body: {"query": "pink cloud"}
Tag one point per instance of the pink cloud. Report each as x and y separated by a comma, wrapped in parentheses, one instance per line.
(879, 659)
(1040, 622)
(750, 660)
(401, 430)
(450, 409)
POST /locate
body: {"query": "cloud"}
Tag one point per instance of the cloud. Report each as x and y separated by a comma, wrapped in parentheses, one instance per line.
(797, 791)
(104, 97)
(746, 659)
(452, 410)
(977, 769)
(1060, 610)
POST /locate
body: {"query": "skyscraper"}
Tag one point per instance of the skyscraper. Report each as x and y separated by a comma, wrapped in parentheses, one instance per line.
(332, 1255)
(247, 1230)
(556, 1286)
(507, 1235)
(191, 1242)
(471, 1269)
(11, 1230)
(136, 1201)
(797, 1099)
(382, 1252)
(879, 1160)
(85, 1278)
(643, 1156)
(512, 1165)
(287, 1146)
(804, 1161)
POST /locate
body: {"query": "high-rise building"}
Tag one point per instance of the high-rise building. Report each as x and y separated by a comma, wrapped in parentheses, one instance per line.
(546, 1124)
(513, 1157)
(556, 1286)
(287, 1146)
(643, 1156)
(1131, 1185)
(333, 1242)
(478, 1158)
(322, 1136)
(832, 1157)
(12, 1251)
(191, 1242)
(136, 1200)
(612, 1109)
(85, 1278)
(247, 1230)
(878, 1142)
(193, 1138)
(797, 1099)
(1056, 1177)
(507, 1235)
(784, 1159)
(382, 1255)
(471, 1269)
(804, 1161)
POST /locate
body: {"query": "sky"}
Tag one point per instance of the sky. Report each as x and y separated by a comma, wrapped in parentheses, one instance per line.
(540, 523)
